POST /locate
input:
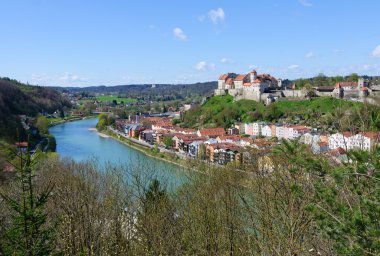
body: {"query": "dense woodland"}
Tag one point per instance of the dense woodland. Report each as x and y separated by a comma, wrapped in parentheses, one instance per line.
(161, 92)
(21, 99)
(305, 206)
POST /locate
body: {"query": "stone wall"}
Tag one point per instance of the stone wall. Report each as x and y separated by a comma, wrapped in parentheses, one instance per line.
(294, 93)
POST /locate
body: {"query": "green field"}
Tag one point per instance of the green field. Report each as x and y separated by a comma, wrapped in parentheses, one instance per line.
(110, 98)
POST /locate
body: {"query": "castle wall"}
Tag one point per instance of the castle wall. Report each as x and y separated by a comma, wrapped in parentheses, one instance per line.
(293, 93)
(218, 92)
(330, 94)
(221, 84)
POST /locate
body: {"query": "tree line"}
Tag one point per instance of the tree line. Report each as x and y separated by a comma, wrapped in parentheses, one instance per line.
(300, 204)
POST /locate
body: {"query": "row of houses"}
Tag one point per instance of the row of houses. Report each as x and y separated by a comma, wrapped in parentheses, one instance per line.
(218, 146)
(319, 142)
(211, 144)
(288, 132)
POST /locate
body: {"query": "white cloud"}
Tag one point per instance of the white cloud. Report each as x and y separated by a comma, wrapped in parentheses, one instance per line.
(179, 34)
(305, 3)
(376, 52)
(309, 55)
(71, 78)
(151, 27)
(294, 66)
(370, 67)
(225, 60)
(203, 66)
(67, 79)
(216, 15)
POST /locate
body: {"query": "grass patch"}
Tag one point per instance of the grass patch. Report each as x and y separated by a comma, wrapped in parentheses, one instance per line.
(110, 98)
(322, 104)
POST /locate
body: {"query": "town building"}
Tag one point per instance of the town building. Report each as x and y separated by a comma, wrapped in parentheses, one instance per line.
(211, 132)
(266, 131)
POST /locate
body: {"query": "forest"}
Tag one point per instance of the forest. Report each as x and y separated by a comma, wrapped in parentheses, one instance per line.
(21, 99)
(305, 206)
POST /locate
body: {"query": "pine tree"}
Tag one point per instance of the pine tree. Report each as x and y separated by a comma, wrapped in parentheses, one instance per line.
(29, 233)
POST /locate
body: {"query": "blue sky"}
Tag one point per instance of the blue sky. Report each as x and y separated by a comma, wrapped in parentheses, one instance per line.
(83, 43)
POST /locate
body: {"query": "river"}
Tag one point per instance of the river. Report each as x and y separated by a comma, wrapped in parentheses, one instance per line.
(77, 141)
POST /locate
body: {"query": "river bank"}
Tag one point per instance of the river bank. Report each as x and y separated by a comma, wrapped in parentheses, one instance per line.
(162, 156)
(199, 166)
(187, 164)
(72, 119)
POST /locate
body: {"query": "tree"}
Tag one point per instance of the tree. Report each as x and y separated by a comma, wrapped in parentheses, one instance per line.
(320, 80)
(29, 233)
(354, 77)
(168, 141)
(347, 207)
(43, 125)
(61, 113)
(156, 221)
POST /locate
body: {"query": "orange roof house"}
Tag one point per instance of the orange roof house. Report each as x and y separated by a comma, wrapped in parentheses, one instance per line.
(211, 132)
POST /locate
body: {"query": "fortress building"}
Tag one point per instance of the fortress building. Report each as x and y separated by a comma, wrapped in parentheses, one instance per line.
(267, 89)
(248, 86)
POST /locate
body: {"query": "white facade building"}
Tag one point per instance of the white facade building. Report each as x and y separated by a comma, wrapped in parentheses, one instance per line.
(266, 131)
(257, 127)
(280, 132)
(340, 140)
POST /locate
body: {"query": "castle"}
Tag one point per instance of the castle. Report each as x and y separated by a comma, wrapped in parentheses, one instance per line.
(248, 86)
(266, 88)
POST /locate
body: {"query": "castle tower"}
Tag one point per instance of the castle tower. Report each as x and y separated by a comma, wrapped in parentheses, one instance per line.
(360, 83)
(253, 75)
(279, 83)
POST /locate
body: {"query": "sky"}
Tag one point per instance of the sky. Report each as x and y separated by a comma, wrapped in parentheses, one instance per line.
(93, 42)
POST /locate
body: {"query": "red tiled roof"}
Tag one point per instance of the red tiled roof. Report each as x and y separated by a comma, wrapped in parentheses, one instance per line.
(232, 137)
(212, 132)
(225, 146)
(240, 77)
(347, 134)
(247, 84)
(230, 81)
(371, 135)
(346, 84)
(323, 144)
(223, 77)
(337, 151)
(182, 136)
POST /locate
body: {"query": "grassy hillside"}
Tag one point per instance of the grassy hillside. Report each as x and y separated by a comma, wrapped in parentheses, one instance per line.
(224, 111)
(322, 104)
(20, 99)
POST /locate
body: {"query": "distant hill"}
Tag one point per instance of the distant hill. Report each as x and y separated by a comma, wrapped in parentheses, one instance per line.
(21, 99)
(163, 91)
